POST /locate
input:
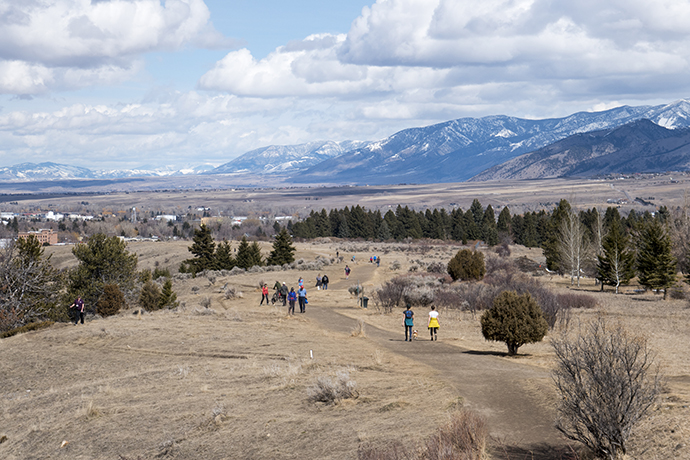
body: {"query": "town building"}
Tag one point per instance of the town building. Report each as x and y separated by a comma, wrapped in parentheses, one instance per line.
(44, 235)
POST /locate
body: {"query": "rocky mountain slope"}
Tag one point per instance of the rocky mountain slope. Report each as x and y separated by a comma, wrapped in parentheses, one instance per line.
(639, 146)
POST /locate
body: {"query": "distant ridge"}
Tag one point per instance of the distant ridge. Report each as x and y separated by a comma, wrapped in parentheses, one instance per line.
(637, 147)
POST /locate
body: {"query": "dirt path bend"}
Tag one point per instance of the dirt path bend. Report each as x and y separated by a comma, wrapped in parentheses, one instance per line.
(512, 396)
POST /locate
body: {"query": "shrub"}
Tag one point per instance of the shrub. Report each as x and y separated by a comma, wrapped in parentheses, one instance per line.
(467, 265)
(205, 302)
(26, 328)
(331, 391)
(503, 250)
(390, 294)
(111, 301)
(149, 298)
(514, 319)
(168, 298)
(464, 437)
(607, 381)
(232, 293)
(436, 267)
(395, 265)
(160, 273)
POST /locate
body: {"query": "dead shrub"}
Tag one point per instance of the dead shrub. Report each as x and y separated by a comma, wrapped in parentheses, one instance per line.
(608, 382)
(358, 330)
(677, 294)
(205, 302)
(464, 438)
(437, 267)
(330, 391)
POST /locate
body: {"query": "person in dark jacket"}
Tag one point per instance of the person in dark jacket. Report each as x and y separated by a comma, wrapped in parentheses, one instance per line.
(324, 282)
(284, 293)
(78, 306)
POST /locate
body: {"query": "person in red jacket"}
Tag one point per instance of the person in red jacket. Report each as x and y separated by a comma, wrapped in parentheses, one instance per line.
(264, 294)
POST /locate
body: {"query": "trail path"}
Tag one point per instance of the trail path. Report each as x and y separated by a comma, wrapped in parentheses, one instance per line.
(511, 395)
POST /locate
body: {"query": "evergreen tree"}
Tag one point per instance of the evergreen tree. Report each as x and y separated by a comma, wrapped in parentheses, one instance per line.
(283, 251)
(656, 265)
(168, 298)
(550, 245)
(384, 232)
(459, 232)
(477, 212)
(244, 257)
(504, 222)
(514, 319)
(489, 231)
(203, 249)
(616, 264)
(102, 260)
(256, 259)
(472, 230)
(530, 235)
(150, 295)
(223, 257)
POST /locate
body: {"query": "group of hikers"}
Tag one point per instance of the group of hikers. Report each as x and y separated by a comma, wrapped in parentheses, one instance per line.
(290, 297)
(408, 323)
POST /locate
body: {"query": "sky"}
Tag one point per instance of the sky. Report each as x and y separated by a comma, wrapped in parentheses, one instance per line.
(122, 84)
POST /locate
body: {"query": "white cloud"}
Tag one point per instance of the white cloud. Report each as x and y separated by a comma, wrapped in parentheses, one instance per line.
(398, 47)
(66, 44)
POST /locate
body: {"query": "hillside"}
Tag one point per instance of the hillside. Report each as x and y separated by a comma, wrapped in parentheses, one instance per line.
(638, 147)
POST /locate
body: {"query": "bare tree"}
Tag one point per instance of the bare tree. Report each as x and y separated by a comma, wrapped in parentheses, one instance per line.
(574, 248)
(608, 381)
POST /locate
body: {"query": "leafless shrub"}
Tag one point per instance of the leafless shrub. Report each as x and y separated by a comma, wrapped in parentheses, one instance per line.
(464, 438)
(205, 302)
(677, 294)
(390, 294)
(395, 265)
(195, 289)
(331, 391)
(608, 381)
(232, 293)
(437, 267)
(413, 268)
(211, 277)
(358, 330)
(236, 271)
(503, 250)
(419, 296)
(572, 300)
(204, 311)
(355, 289)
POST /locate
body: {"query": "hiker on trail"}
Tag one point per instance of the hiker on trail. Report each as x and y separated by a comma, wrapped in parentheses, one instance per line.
(300, 282)
(378, 261)
(433, 323)
(78, 305)
(302, 296)
(347, 272)
(264, 294)
(337, 254)
(319, 281)
(276, 287)
(292, 298)
(408, 322)
(353, 260)
(284, 293)
(324, 282)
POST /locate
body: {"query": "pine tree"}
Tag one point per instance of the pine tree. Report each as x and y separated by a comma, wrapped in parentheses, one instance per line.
(150, 295)
(203, 249)
(223, 257)
(257, 260)
(283, 251)
(656, 265)
(168, 298)
(384, 232)
(551, 244)
(616, 264)
(489, 231)
(244, 257)
(504, 222)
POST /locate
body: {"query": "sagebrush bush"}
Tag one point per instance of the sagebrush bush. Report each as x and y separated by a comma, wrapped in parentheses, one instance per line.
(160, 273)
(463, 438)
(331, 391)
(111, 301)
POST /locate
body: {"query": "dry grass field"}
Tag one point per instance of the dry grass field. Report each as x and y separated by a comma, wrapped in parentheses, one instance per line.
(233, 380)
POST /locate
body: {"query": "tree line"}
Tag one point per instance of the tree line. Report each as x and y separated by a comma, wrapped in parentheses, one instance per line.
(610, 247)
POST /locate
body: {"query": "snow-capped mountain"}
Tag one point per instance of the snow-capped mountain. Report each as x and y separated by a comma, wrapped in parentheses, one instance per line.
(640, 146)
(44, 171)
(282, 159)
(457, 150)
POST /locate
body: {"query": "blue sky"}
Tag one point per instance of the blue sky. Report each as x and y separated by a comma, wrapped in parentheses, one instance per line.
(119, 84)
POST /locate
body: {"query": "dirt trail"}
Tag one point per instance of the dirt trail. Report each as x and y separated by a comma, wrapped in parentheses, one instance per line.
(511, 395)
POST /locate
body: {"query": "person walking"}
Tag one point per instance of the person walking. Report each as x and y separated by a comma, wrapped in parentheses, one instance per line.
(284, 293)
(264, 294)
(78, 306)
(408, 322)
(302, 296)
(324, 282)
(433, 323)
(347, 272)
(292, 298)
(300, 282)
(319, 282)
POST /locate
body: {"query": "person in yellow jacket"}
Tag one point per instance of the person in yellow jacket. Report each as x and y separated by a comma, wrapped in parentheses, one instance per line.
(433, 323)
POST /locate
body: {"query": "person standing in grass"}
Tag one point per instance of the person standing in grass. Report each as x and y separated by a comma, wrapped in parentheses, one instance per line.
(292, 298)
(78, 306)
(264, 294)
(302, 296)
(433, 323)
(408, 322)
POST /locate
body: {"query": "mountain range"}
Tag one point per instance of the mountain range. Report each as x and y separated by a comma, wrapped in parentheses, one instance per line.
(639, 146)
(453, 151)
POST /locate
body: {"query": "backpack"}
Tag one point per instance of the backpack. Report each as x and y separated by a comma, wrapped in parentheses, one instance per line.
(408, 314)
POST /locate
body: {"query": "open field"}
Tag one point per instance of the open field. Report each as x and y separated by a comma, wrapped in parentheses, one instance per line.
(232, 381)
(520, 196)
